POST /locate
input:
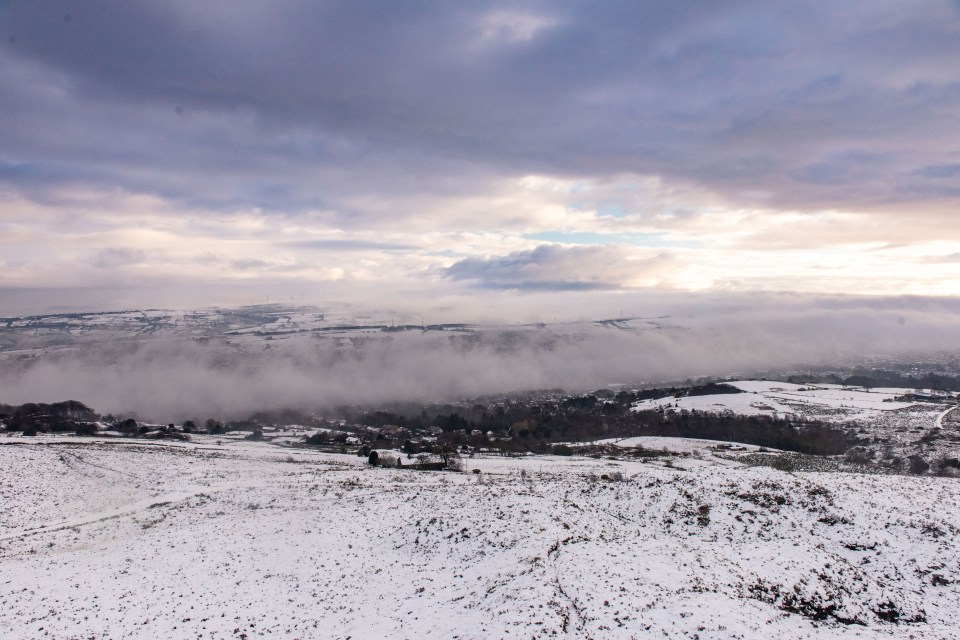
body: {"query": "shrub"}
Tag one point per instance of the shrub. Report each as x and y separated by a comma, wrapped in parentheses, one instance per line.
(917, 465)
(88, 429)
(947, 467)
(387, 460)
(129, 426)
(319, 438)
(859, 455)
(784, 463)
(703, 515)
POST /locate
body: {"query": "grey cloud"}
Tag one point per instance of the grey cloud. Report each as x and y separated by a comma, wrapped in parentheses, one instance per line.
(265, 266)
(949, 258)
(556, 268)
(741, 97)
(251, 264)
(118, 257)
(348, 245)
(940, 171)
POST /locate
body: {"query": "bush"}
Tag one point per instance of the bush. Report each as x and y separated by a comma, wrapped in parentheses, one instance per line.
(859, 455)
(917, 465)
(947, 467)
(387, 460)
(129, 426)
(784, 463)
(88, 429)
(319, 438)
(215, 427)
(703, 515)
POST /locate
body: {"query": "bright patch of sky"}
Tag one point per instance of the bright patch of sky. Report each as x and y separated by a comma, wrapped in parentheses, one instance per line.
(587, 237)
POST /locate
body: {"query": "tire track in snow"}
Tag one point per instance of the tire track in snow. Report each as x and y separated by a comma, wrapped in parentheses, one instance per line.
(940, 417)
(127, 510)
(571, 611)
(67, 456)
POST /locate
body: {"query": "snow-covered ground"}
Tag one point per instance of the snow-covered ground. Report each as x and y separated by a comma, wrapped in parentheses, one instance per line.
(113, 539)
(764, 397)
(902, 427)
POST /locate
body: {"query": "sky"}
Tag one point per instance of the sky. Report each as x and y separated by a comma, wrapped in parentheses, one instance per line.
(512, 155)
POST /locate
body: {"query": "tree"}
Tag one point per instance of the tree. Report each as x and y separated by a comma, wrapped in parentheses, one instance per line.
(319, 438)
(128, 426)
(450, 456)
(86, 429)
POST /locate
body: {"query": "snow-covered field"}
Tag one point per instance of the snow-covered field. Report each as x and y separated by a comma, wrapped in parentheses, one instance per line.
(774, 398)
(903, 427)
(242, 539)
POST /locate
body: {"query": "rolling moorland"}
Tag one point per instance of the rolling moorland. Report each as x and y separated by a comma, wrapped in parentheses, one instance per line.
(823, 504)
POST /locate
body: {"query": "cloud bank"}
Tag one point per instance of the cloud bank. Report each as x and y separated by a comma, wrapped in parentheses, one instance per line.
(238, 150)
(175, 378)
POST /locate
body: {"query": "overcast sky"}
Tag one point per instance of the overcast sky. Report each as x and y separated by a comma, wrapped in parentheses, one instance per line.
(185, 153)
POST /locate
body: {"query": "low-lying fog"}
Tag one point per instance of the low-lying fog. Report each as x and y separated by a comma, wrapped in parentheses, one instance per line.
(172, 378)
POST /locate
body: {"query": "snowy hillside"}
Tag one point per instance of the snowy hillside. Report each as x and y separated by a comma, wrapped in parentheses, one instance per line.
(821, 401)
(234, 540)
(253, 325)
(904, 421)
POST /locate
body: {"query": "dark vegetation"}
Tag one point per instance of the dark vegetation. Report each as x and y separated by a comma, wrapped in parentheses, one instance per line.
(863, 377)
(545, 422)
(33, 418)
(514, 425)
(539, 424)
